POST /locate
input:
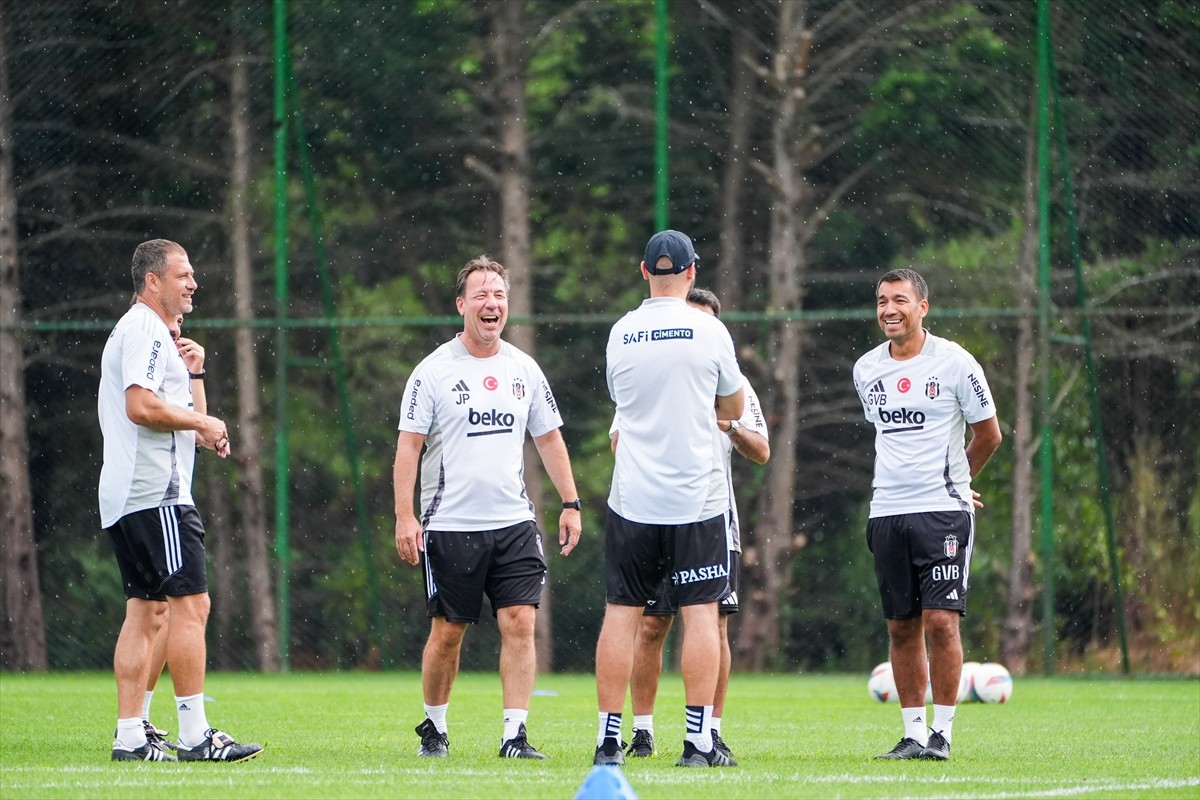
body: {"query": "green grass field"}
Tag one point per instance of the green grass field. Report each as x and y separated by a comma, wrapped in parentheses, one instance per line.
(334, 735)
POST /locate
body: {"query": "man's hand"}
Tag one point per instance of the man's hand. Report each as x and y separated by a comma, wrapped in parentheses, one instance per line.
(409, 542)
(570, 525)
(193, 354)
(213, 434)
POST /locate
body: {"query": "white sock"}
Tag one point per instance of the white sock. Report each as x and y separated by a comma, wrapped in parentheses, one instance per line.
(915, 726)
(716, 725)
(131, 733)
(193, 723)
(943, 720)
(699, 727)
(146, 705)
(644, 722)
(437, 715)
(514, 718)
(610, 727)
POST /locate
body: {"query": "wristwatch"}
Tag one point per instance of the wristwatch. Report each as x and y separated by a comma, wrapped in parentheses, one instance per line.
(576, 504)
(733, 427)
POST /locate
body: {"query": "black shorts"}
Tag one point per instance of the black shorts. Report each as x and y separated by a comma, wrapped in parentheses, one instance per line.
(160, 552)
(922, 561)
(665, 606)
(692, 558)
(461, 566)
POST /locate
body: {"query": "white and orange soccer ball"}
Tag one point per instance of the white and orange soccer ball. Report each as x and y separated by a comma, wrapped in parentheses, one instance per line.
(992, 683)
(966, 681)
(882, 684)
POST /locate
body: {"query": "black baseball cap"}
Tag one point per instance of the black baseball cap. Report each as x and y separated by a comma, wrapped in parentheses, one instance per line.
(675, 246)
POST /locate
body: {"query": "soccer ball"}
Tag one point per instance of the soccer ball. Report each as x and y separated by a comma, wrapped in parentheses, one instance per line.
(992, 683)
(966, 681)
(882, 684)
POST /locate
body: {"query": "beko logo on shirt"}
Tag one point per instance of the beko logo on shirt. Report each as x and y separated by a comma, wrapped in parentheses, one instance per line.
(660, 335)
(495, 422)
(912, 420)
(153, 359)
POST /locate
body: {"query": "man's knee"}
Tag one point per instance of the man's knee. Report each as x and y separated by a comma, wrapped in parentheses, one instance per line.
(652, 630)
(903, 632)
(517, 622)
(942, 626)
(446, 635)
(189, 609)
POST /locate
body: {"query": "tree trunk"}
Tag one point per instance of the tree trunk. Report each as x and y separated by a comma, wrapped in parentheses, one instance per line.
(1017, 635)
(732, 256)
(248, 452)
(767, 559)
(23, 630)
(512, 180)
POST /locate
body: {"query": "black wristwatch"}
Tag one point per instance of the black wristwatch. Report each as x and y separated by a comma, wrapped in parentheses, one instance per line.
(575, 504)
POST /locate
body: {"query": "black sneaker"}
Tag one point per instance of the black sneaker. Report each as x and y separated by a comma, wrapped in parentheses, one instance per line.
(218, 746)
(519, 746)
(147, 752)
(158, 737)
(694, 758)
(433, 744)
(938, 748)
(643, 744)
(719, 744)
(610, 754)
(905, 748)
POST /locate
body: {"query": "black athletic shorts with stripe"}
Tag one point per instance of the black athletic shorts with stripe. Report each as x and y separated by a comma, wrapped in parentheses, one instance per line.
(507, 565)
(693, 560)
(922, 561)
(160, 552)
(665, 606)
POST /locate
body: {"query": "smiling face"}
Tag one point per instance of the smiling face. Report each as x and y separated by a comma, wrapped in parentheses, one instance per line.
(901, 312)
(169, 290)
(484, 309)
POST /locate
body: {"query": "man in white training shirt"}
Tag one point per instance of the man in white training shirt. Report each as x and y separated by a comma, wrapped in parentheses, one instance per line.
(922, 392)
(667, 364)
(469, 404)
(749, 437)
(151, 430)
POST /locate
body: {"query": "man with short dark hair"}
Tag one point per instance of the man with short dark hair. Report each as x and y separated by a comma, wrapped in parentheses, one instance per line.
(922, 392)
(667, 365)
(469, 404)
(151, 430)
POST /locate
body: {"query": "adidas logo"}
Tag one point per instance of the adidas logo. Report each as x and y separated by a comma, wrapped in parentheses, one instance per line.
(184, 707)
(876, 387)
(461, 386)
(953, 595)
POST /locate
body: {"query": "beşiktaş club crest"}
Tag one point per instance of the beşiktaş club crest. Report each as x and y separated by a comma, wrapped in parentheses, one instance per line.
(932, 390)
(519, 389)
(950, 546)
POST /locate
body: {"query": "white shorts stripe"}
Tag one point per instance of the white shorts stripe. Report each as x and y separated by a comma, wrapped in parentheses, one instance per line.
(170, 528)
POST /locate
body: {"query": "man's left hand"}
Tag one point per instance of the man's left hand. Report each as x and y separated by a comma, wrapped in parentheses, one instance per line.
(570, 525)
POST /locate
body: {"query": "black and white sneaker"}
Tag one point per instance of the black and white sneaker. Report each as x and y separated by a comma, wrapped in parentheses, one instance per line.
(905, 748)
(719, 745)
(158, 737)
(218, 746)
(695, 758)
(938, 748)
(610, 753)
(433, 744)
(147, 752)
(642, 745)
(519, 746)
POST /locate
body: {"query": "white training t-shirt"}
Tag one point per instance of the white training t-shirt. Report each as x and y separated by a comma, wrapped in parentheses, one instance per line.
(473, 413)
(752, 420)
(921, 408)
(667, 362)
(143, 468)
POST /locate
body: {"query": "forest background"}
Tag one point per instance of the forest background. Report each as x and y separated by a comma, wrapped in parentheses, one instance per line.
(812, 145)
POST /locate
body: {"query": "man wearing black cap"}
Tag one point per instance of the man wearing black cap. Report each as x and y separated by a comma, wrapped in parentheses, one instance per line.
(667, 364)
